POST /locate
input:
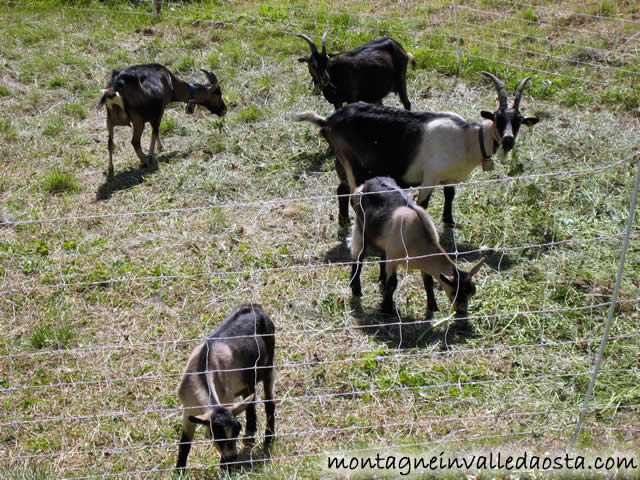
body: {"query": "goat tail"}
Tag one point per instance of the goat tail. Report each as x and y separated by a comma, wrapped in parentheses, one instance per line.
(412, 60)
(107, 94)
(312, 117)
(102, 101)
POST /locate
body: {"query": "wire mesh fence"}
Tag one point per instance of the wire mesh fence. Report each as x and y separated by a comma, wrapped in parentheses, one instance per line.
(350, 382)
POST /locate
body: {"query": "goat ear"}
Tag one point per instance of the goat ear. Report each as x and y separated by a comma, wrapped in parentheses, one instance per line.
(238, 408)
(529, 121)
(200, 419)
(304, 59)
(487, 115)
(477, 266)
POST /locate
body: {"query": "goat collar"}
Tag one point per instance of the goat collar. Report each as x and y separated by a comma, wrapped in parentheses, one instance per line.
(487, 161)
(190, 102)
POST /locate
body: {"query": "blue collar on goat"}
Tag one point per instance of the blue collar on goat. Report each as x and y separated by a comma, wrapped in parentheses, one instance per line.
(190, 102)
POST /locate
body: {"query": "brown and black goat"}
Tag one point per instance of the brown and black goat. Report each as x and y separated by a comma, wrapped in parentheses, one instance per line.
(366, 73)
(404, 234)
(416, 148)
(230, 363)
(139, 94)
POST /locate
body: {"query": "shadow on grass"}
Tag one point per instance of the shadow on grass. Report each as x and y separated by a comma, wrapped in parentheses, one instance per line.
(132, 177)
(400, 332)
(340, 253)
(496, 259)
(315, 159)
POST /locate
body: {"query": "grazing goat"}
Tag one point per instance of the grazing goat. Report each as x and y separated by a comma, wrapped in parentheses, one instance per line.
(389, 221)
(425, 148)
(140, 93)
(231, 362)
(366, 73)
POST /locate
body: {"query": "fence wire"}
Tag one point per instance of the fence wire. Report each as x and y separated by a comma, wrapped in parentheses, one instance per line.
(18, 391)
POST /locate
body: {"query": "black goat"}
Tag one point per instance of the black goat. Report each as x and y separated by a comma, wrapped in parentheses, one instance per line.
(416, 148)
(230, 363)
(140, 93)
(367, 73)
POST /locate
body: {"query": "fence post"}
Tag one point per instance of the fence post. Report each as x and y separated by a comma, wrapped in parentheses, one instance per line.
(614, 298)
(455, 16)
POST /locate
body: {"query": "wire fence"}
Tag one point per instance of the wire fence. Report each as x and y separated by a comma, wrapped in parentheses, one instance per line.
(129, 380)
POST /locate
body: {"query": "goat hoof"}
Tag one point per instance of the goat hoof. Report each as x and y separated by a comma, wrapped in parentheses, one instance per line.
(388, 309)
(449, 222)
(463, 325)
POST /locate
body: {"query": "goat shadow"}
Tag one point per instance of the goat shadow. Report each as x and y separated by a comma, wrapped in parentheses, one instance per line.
(405, 332)
(316, 161)
(132, 177)
(496, 259)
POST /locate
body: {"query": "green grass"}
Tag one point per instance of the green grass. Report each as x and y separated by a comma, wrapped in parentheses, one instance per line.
(59, 181)
(110, 292)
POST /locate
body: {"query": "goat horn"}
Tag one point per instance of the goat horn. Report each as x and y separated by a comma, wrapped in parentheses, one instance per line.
(516, 100)
(477, 266)
(314, 49)
(210, 76)
(324, 42)
(502, 96)
(240, 407)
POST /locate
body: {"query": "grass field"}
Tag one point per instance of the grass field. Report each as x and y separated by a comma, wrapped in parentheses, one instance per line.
(106, 287)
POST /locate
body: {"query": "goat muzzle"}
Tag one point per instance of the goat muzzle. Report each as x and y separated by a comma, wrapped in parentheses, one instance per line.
(507, 143)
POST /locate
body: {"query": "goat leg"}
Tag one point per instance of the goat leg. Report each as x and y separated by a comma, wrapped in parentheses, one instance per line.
(343, 205)
(155, 137)
(432, 305)
(138, 128)
(425, 195)
(270, 409)
(447, 213)
(401, 84)
(184, 448)
(356, 288)
(251, 427)
(388, 306)
(383, 269)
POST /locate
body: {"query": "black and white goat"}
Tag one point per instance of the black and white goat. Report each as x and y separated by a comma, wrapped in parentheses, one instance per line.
(367, 73)
(416, 148)
(404, 234)
(140, 93)
(230, 363)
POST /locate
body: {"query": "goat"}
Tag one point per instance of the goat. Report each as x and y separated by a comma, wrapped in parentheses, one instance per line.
(366, 73)
(425, 148)
(389, 221)
(231, 362)
(140, 93)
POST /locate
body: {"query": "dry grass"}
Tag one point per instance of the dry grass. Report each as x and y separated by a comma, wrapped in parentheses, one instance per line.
(104, 311)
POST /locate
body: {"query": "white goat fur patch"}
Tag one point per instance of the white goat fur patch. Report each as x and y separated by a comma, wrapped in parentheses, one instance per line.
(117, 100)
